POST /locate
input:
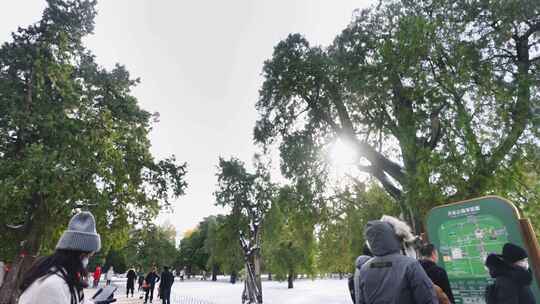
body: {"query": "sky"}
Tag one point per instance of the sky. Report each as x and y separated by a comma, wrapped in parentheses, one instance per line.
(200, 67)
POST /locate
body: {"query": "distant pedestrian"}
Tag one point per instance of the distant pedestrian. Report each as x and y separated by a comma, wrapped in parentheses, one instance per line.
(390, 277)
(2, 272)
(437, 274)
(140, 279)
(151, 279)
(165, 285)
(512, 277)
(109, 275)
(182, 274)
(97, 276)
(130, 285)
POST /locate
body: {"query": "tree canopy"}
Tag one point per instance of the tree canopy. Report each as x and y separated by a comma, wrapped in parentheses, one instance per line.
(436, 96)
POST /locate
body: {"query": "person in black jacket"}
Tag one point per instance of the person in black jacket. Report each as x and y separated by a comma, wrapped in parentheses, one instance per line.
(131, 276)
(167, 280)
(437, 274)
(151, 279)
(512, 277)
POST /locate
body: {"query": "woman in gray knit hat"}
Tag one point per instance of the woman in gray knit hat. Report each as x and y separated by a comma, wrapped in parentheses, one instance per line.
(59, 278)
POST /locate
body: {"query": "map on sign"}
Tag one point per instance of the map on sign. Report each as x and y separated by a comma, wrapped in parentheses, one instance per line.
(466, 242)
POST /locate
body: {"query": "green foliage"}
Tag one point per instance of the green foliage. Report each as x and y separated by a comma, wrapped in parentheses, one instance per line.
(117, 260)
(436, 97)
(341, 237)
(151, 245)
(289, 245)
(72, 136)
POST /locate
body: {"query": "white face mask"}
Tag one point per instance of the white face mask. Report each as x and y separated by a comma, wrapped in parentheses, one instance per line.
(85, 262)
(523, 263)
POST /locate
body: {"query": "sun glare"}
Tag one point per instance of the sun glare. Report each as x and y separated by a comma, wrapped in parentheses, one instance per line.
(342, 154)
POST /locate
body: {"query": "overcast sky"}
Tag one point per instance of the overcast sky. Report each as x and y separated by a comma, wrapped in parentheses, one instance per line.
(200, 64)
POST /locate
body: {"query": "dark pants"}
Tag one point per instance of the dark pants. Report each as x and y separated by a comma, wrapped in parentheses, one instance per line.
(166, 295)
(151, 291)
(130, 286)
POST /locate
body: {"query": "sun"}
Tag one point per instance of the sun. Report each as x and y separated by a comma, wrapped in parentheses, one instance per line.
(342, 155)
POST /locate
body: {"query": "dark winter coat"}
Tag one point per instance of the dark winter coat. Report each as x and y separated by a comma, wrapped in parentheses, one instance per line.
(389, 277)
(152, 278)
(438, 276)
(167, 280)
(512, 283)
(131, 276)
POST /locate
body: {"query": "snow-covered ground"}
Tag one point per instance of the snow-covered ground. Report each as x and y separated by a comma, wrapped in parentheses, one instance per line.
(305, 291)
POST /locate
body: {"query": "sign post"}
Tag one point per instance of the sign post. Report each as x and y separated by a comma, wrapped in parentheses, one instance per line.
(466, 232)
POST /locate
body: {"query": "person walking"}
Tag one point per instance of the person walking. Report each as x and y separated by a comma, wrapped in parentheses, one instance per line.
(109, 275)
(58, 279)
(2, 272)
(97, 275)
(390, 277)
(512, 277)
(140, 279)
(130, 285)
(165, 285)
(437, 274)
(151, 279)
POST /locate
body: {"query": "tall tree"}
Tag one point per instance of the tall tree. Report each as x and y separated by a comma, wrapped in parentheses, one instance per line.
(288, 244)
(72, 137)
(435, 96)
(248, 195)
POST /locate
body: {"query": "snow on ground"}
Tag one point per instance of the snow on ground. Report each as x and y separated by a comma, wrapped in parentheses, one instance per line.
(328, 291)
(305, 291)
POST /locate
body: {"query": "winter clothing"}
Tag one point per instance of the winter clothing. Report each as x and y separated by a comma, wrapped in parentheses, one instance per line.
(512, 253)
(131, 276)
(360, 261)
(438, 276)
(51, 289)
(390, 277)
(81, 234)
(441, 296)
(97, 276)
(140, 279)
(151, 279)
(2, 273)
(512, 283)
(167, 280)
(109, 275)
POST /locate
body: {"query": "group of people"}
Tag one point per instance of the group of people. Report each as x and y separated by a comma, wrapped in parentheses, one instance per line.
(385, 273)
(147, 283)
(388, 272)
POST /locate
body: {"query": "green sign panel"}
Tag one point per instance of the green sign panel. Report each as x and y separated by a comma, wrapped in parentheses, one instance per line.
(465, 233)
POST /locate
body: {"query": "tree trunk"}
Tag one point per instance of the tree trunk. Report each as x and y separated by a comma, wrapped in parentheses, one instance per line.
(9, 292)
(252, 293)
(290, 280)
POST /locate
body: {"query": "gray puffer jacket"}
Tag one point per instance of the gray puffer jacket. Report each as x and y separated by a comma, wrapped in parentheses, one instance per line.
(389, 277)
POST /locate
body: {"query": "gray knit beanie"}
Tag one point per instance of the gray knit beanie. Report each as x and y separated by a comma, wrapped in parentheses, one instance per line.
(81, 234)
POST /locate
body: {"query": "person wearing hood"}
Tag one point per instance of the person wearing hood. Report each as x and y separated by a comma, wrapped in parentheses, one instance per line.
(353, 280)
(512, 277)
(437, 274)
(130, 284)
(59, 278)
(390, 277)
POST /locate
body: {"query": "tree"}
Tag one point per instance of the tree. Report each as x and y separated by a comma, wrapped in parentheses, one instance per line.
(341, 234)
(72, 137)
(117, 260)
(288, 243)
(248, 195)
(435, 96)
(151, 245)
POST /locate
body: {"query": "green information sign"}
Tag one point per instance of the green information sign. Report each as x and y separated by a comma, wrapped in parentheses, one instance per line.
(465, 233)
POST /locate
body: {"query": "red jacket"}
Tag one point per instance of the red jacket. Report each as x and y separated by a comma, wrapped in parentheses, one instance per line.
(97, 273)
